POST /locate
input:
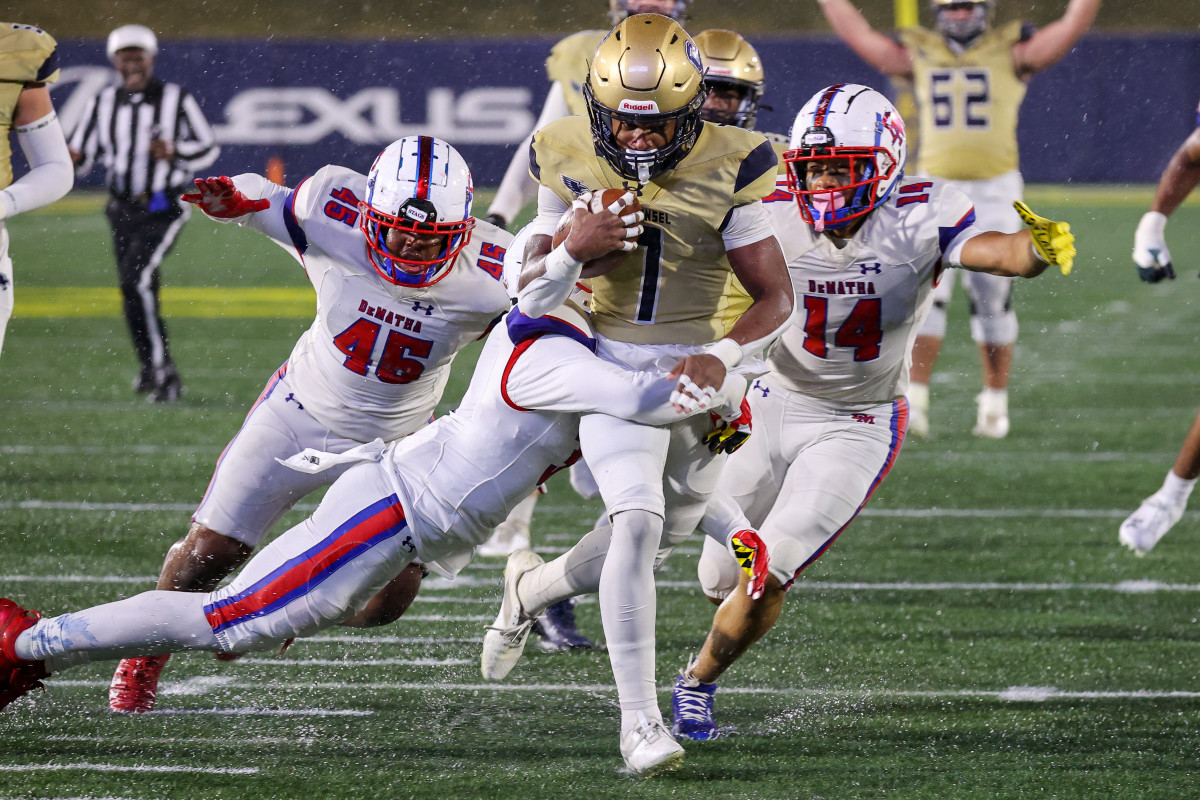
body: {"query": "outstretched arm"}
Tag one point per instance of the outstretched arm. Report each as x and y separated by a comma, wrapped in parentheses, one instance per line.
(1051, 43)
(1150, 253)
(877, 49)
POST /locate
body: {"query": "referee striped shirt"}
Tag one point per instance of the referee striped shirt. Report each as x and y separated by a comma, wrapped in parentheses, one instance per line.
(117, 126)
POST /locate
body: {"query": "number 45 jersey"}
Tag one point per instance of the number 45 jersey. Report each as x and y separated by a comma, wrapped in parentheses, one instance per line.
(858, 307)
(376, 360)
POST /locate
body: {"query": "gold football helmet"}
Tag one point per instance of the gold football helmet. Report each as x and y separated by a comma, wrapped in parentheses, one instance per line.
(730, 62)
(620, 9)
(646, 73)
(963, 30)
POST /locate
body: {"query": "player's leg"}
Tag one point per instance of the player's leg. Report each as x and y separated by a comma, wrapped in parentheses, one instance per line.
(247, 495)
(1159, 512)
(6, 284)
(513, 533)
(160, 235)
(126, 233)
(840, 459)
(926, 348)
(994, 329)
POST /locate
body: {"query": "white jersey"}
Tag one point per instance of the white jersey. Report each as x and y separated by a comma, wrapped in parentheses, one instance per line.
(377, 357)
(858, 308)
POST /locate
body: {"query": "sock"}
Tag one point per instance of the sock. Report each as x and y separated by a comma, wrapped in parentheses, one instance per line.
(575, 572)
(627, 610)
(147, 624)
(994, 401)
(918, 395)
(1177, 489)
(522, 513)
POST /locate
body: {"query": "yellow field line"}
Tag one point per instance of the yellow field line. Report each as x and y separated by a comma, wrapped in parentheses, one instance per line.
(201, 301)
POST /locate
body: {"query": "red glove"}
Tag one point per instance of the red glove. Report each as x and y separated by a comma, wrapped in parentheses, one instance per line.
(729, 434)
(220, 199)
(751, 554)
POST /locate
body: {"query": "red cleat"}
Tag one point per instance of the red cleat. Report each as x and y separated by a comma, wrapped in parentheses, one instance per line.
(751, 553)
(134, 686)
(18, 676)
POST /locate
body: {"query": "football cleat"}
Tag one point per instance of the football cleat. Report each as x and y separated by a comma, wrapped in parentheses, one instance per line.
(18, 676)
(752, 556)
(692, 709)
(991, 421)
(557, 628)
(506, 539)
(168, 388)
(505, 639)
(650, 749)
(134, 686)
(1154, 517)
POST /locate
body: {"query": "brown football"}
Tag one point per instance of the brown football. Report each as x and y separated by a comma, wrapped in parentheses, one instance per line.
(606, 263)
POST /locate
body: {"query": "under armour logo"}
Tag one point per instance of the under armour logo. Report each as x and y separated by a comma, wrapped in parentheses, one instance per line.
(764, 389)
(291, 398)
(4, 281)
(408, 544)
(872, 268)
(427, 309)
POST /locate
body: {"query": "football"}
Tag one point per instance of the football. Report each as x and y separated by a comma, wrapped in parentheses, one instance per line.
(606, 263)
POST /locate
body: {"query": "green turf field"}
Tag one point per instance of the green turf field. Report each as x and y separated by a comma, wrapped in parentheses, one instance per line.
(976, 633)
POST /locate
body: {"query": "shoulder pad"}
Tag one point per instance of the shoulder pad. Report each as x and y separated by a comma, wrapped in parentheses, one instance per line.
(27, 54)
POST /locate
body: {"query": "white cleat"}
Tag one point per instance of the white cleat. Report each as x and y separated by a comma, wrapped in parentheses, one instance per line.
(650, 749)
(506, 539)
(991, 422)
(505, 639)
(1154, 517)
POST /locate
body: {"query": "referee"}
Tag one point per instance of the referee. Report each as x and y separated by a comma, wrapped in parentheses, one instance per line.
(151, 136)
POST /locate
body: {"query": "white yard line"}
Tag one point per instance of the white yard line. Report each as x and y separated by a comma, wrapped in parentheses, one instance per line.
(92, 767)
(1011, 694)
(284, 661)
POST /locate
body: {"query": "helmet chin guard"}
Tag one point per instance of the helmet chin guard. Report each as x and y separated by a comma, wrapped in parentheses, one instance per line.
(421, 186)
(858, 127)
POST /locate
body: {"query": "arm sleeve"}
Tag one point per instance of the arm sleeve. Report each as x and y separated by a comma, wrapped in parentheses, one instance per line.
(745, 225)
(518, 188)
(50, 174)
(545, 293)
(197, 146)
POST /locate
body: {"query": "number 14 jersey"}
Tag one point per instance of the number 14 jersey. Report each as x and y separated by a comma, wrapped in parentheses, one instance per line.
(858, 307)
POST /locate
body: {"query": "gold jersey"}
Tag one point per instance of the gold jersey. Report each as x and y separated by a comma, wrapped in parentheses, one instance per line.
(677, 287)
(779, 143)
(27, 55)
(568, 64)
(968, 103)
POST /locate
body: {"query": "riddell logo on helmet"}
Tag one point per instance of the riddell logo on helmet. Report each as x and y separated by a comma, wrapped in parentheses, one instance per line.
(639, 106)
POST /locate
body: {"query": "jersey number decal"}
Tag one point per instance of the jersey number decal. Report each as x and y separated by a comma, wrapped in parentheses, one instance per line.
(345, 214)
(862, 329)
(358, 341)
(961, 97)
(651, 243)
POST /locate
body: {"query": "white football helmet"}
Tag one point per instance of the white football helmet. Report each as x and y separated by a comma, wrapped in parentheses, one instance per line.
(419, 185)
(846, 121)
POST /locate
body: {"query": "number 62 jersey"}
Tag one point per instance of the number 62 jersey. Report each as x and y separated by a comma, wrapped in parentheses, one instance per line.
(858, 307)
(376, 360)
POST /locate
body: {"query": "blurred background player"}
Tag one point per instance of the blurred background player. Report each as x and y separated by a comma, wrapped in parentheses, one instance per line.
(28, 61)
(671, 302)
(405, 279)
(735, 78)
(969, 80)
(1161, 510)
(567, 69)
(151, 137)
(830, 415)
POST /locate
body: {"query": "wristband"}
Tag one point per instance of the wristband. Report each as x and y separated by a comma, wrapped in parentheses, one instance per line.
(1037, 253)
(561, 266)
(727, 351)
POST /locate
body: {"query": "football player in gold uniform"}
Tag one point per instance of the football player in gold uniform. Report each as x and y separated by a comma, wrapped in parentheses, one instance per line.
(705, 289)
(734, 75)
(969, 78)
(567, 68)
(1161, 510)
(28, 61)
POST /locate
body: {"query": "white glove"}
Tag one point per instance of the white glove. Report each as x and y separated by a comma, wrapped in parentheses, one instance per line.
(1150, 253)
